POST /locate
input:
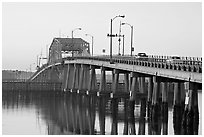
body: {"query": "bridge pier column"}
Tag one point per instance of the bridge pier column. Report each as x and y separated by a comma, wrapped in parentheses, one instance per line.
(81, 77)
(149, 96)
(142, 87)
(190, 119)
(84, 78)
(132, 130)
(116, 80)
(114, 108)
(134, 85)
(102, 104)
(155, 116)
(69, 77)
(126, 78)
(92, 85)
(177, 110)
(164, 107)
(125, 129)
(102, 86)
(75, 81)
(142, 117)
(113, 79)
(65, 79)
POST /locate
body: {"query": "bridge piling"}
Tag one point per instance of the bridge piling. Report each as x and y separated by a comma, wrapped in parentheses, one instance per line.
(195, 110)
(66, 77)
(164, 108)
(125, 129)
(155, 98)
(149, 96)
(102, 104)
(70, 77)
(126, 80)
(115, 82)
(132, 130)
(86, 77)
(102, 86)
(134, 85)
(92, 79)
(141, 130)
(190, 118)
(93, 113)
(79, 114)
(89, 129)
(76, 77)
(113, 78)
(177, 108)
(142, 85)
(114, 108)
(82, 77)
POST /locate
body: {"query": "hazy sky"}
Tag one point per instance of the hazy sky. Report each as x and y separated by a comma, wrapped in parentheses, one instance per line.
(159, 28)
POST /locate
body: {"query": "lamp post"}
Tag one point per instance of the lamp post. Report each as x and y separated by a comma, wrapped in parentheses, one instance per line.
(92, 42)
(131, 37)
(123, 16)
(73, 37)
(74, 30)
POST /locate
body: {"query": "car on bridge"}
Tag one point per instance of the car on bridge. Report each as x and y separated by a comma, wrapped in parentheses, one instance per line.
(175, 60)
(142, 56)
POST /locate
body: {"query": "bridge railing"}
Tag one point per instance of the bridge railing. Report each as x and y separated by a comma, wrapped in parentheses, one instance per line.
(183, 60)
(190, 66)
(189, 60)
(39, 69)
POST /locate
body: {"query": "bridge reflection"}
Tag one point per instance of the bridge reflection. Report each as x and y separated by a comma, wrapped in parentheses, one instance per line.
(74, 113)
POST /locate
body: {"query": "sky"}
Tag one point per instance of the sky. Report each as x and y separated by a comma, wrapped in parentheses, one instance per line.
(159, 28)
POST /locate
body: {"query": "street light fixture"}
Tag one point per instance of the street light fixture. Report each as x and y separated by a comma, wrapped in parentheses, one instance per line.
(92, 42)
(74, 30)
(131, 36)
(111, 35)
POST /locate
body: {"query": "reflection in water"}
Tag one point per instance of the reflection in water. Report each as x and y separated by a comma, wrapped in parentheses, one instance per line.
(73, 113)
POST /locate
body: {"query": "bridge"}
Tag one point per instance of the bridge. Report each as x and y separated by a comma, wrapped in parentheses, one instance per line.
(71, 64)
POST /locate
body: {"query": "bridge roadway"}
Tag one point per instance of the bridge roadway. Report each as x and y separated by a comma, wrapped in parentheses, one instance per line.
(183, 72)
(191, 71)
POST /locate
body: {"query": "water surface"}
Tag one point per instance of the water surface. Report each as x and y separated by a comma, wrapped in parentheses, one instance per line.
(38, 113)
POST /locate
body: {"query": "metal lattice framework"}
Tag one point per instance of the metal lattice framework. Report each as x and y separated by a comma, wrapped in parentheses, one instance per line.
(72, 46)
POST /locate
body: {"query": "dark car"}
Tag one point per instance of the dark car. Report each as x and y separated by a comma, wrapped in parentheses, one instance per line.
(142, 56)
(175, 60)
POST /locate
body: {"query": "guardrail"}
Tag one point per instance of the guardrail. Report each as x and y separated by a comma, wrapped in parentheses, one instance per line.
(188, 65)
